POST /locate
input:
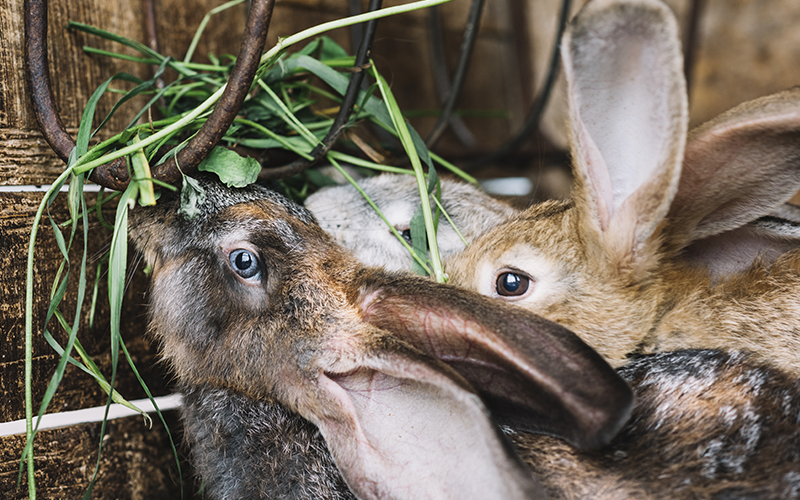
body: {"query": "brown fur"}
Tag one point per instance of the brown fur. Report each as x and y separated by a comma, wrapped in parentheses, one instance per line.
(706, 424)
(674, 306)
(629, 266)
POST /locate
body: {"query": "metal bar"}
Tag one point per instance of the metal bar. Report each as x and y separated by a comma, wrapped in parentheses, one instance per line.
(114, 175)
(537, 109)
(467, 47)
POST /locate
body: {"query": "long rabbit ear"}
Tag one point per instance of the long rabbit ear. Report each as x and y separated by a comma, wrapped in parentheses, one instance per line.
(740, 166)
(402, 426)
(533, 373)
(764, 240)
(628, 111)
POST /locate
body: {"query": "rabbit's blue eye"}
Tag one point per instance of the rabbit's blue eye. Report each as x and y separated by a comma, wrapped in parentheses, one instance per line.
(512, 284)
(245, 264)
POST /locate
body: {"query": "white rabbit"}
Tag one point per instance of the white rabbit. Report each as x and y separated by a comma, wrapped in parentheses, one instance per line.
(345, 215)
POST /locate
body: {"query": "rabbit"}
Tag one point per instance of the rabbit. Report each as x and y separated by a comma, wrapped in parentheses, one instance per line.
(309, 375)
(347, 217)
(706, 424)
(345, 214)
(642, 260)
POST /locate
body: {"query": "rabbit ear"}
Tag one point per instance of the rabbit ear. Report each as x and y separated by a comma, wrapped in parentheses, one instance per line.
(628, 111)
(765, 239)
(738, 167)
(533, 373)
(401, 426)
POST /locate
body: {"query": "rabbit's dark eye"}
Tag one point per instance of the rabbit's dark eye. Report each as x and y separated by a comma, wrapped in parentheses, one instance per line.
(405, 232)
(245, 264)
(512, 284)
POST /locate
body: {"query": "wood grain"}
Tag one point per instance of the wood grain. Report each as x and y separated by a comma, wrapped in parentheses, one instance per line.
(137, 463)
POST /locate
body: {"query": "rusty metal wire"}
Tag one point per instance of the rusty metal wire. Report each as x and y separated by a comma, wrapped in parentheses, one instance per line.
(537, 109)
(690, 47)
(451, 92)
(114, 175)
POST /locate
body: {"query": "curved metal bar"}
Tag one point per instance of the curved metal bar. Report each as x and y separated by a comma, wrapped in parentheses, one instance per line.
(442, 77)
(346, 108)
(537, 109)
(114, 175)
(229, 104)
(467, 47)
(38, 76)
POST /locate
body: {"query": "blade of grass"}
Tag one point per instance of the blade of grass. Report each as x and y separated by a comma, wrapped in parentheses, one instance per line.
(117, 265)
(284, 43)
(27, 453)
(452, 224)
(202, 27)
(96, 288)
(141, 169)
(277, 105)
(158, 412)
(272, 135)
(408, 143)
(353, 160)
(88, 366)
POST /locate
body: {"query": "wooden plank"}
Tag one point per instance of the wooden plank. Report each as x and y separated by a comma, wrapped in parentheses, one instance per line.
(77, 390)
(137, 462)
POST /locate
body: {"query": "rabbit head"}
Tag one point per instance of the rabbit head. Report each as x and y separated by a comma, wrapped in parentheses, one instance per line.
(651, 209)
(251, 301)
(344, 213)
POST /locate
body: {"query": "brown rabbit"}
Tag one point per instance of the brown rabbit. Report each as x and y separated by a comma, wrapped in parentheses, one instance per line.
(305, 371)
(307, 375)
(625, 265)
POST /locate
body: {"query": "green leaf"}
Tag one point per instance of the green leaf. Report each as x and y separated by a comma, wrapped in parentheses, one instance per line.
(231, 168)
(419, 239)
(192, 196)
(331, 49)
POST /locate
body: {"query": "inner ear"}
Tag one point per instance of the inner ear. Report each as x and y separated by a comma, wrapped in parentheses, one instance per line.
(628, 116)
(401, 427)
(534, 374)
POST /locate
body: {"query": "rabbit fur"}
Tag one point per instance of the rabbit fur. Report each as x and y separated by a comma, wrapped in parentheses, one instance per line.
(345, 215)
(707, 424)
(248, 357)
(305, 371)
(667, 244)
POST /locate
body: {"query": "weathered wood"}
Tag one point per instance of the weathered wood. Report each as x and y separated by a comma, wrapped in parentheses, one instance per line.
(137, 463)
(77, 390)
